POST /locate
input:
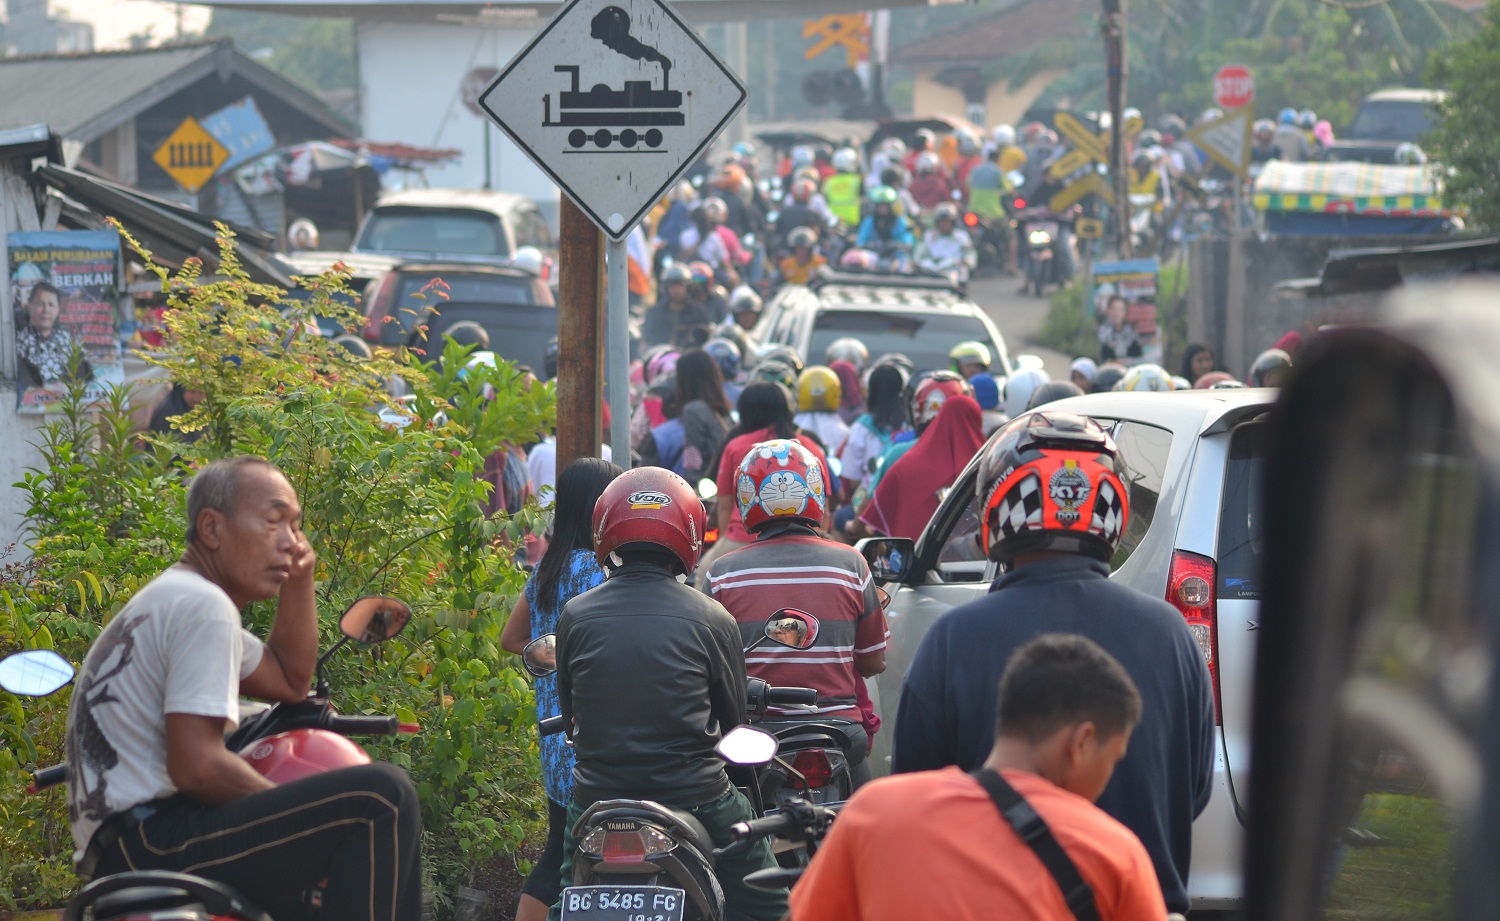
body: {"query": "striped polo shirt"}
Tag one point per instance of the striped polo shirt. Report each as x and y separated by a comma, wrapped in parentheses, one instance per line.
(797, 569)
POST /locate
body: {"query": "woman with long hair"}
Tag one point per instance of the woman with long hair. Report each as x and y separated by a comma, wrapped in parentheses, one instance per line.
(1198, 360)
(873, 431)
(567, 569)
(765, 413)
(705, 413)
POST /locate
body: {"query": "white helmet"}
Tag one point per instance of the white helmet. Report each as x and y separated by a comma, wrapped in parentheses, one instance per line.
(802, 155)
(1020, 386)
(529, 258)
(845, 160)
(1004, 136)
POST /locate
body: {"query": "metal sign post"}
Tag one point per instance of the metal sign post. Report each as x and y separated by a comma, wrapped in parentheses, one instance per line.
(617, 350)
(613, 99)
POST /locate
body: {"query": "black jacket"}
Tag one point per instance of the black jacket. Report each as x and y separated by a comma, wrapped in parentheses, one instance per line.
(664, 325)
(650, 673)
(947, 712)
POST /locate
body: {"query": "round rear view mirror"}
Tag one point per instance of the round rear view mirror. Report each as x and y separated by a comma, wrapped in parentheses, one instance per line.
(34, 673)
(375, 619)
(747, 746)
(790, 627)
(540, 655)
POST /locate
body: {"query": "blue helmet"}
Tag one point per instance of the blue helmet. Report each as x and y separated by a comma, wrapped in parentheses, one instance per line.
(1288, 116)
(726, 354)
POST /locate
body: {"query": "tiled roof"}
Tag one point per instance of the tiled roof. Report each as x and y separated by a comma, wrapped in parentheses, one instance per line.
(1012, 30)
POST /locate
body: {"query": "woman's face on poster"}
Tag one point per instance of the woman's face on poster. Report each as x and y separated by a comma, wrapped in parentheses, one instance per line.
(43, 310)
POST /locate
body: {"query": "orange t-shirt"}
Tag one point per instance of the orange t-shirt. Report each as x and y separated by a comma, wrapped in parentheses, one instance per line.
(933, 845)
(800, 273)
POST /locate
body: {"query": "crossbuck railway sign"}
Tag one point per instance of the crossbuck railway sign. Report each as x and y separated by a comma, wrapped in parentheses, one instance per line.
(614, 100)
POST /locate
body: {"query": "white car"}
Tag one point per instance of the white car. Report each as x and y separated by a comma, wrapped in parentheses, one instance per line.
(1194, 460)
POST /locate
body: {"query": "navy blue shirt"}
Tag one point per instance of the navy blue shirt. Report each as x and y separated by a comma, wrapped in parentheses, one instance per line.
(947, 713)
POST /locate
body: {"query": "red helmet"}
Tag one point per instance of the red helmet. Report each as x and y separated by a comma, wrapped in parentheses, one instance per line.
(928, 393)
(650, 505)
(299, 753)
(1052, 481)
(780, 481)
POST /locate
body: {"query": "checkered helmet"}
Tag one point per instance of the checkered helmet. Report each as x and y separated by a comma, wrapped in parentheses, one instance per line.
(1052, 481)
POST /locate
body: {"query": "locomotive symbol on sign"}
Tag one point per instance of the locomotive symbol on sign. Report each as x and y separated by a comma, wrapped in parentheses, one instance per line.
(640, 110)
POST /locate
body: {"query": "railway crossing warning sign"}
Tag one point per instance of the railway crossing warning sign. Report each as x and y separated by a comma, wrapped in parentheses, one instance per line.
(191, 155)
(614, 100)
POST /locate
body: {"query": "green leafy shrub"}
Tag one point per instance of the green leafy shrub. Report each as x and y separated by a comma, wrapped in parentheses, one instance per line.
(392, 507)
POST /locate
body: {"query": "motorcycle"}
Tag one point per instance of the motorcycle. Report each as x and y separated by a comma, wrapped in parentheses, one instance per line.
(282, 742)
(1046, 239)
(989, 244)
(638, 858)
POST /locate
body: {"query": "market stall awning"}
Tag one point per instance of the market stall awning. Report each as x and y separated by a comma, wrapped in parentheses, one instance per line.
(1350, 188)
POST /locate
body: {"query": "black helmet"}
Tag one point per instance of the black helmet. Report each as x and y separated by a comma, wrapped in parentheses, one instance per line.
(1107, 378)
(1052, 481)
(1051, 392)
(787, 356)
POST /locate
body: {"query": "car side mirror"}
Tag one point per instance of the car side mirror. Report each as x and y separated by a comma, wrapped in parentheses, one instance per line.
(746, 745)
(374, 619)
(35, 673)
(793, 628)
(890, 558)
(540, 655)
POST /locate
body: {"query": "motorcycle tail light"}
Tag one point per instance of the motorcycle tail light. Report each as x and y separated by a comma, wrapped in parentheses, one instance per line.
(814, 768)
(631, 845)
(1020, 203)
(971, 219)
(1190, 589)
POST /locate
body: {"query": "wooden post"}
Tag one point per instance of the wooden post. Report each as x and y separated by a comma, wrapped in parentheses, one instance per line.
(580, 335)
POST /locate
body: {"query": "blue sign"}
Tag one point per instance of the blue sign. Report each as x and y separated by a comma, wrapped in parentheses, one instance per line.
(242, 131)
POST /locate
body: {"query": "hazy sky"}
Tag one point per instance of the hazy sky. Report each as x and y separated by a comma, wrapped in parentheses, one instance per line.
(115, 20)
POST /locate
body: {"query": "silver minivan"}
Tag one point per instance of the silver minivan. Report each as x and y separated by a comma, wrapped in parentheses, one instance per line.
(1194, 460)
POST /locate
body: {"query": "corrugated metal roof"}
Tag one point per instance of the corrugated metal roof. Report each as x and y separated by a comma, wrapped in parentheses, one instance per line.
(81, 96)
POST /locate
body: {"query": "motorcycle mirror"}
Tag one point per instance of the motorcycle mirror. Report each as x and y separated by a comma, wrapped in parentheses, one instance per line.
(748, 746)
(34, 673)
(884, 597)
(375, 619)
(794, 628)
(707, 488)
(540, 655)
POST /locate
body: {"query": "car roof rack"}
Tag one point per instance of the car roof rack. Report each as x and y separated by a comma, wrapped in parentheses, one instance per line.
(830, 276)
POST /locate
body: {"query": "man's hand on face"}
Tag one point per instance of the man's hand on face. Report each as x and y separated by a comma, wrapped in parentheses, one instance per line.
(304, 562)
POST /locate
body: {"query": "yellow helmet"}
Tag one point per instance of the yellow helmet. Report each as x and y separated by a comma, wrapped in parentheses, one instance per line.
(819, 390)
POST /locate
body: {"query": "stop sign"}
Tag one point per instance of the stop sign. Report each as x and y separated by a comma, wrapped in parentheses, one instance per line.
(1233, 86)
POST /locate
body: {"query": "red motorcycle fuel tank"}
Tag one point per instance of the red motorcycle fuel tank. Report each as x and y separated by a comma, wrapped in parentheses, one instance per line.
(289, 756)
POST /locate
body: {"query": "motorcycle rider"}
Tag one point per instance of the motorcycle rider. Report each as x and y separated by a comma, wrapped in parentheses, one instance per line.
(673, 318)
(800, 211)
(969, 358)
(819, 393)
(947, 249)
(987, 189)
(883, 228)
(1066, 713)
(1052, 487)
(650, 675)
(844, 190)
(931, 186)
(1290, 141)
(151, 785)
(783, 500)
(799, 267)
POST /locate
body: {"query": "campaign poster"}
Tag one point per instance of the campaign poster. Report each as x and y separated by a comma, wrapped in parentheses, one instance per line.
(65, 291)
(1133, 282)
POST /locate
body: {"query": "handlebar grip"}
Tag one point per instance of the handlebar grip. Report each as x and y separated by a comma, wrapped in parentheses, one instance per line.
(550, 726)
(362, 725)
(765, 827)
(793, 696)
(42, 778)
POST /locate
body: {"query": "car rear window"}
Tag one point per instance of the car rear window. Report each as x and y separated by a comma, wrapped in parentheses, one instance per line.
(1240, 520)
(1144, 450)
(471, 288)
(924, 338)
(456, 232)
(1391, 120)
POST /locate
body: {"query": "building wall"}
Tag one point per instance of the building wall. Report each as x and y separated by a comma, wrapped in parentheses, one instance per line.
(1002, 105)
(410, 77)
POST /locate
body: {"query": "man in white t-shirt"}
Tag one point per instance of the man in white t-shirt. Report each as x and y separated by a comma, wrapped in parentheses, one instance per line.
(151, 785)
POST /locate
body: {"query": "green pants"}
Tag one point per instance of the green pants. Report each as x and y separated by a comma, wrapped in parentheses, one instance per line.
(742, 903)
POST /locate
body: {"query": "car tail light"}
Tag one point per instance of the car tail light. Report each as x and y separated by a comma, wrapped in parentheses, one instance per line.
(814, 768)
(380, 306)
(630, 845)
(971, 219)
(1190, 589)
(1020, 203)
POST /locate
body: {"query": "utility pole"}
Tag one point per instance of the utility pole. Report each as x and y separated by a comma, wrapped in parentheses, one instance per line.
(1113, 28)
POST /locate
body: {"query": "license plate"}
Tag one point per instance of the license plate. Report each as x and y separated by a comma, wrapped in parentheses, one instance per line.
(622, 903)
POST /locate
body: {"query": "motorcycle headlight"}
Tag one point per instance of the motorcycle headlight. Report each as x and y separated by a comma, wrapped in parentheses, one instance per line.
(1039, 237)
